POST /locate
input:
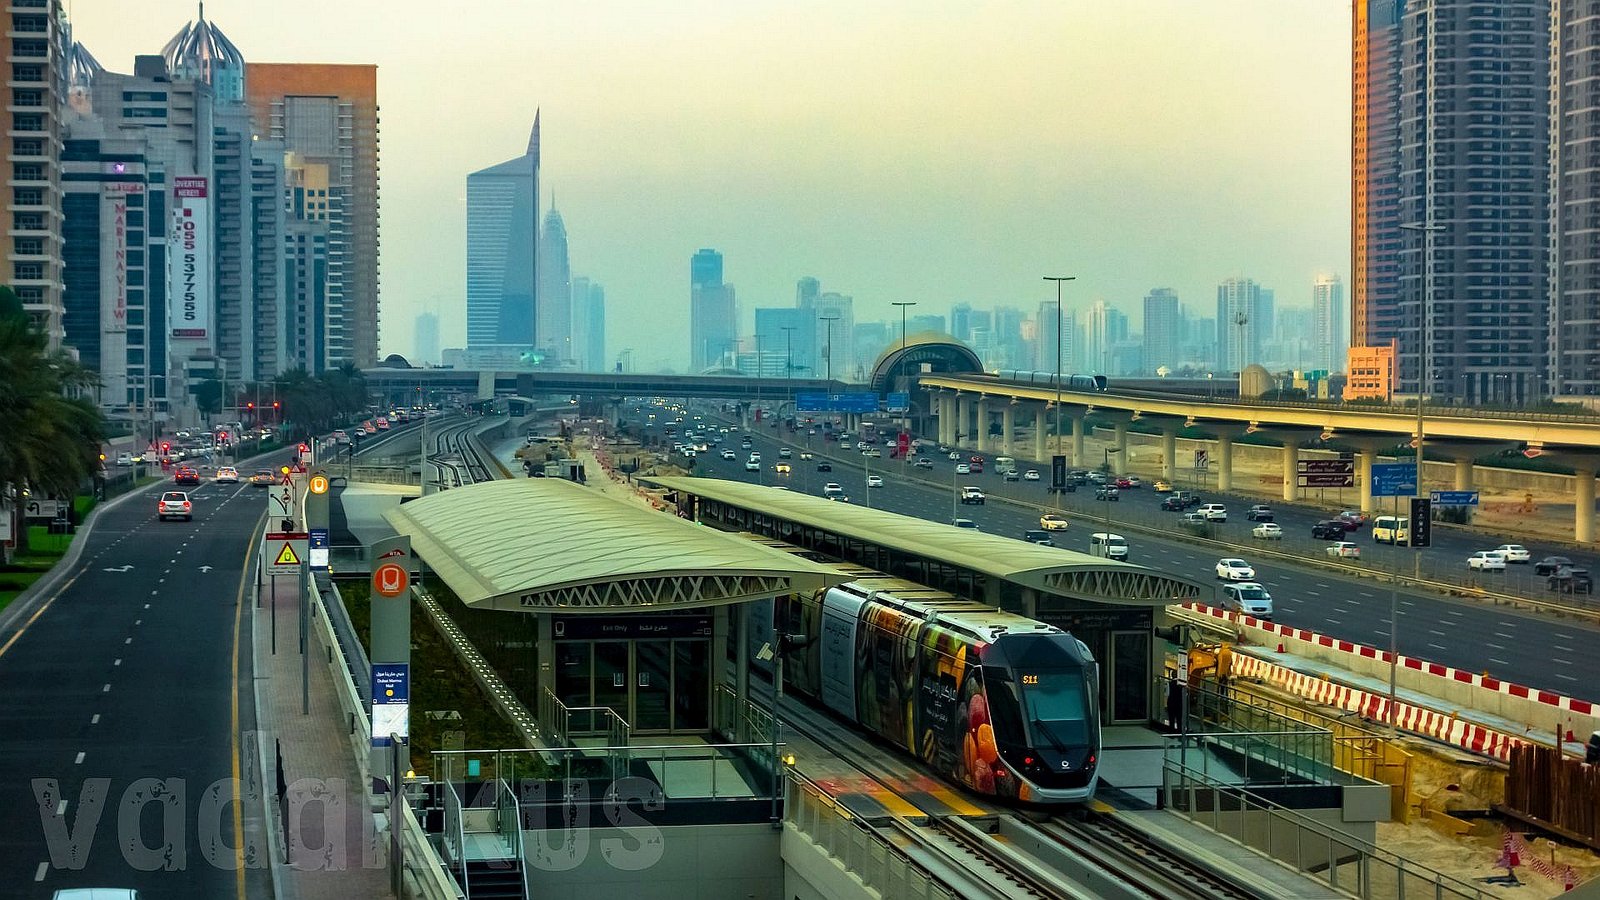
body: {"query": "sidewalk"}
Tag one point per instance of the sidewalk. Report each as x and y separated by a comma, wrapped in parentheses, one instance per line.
(318, 768)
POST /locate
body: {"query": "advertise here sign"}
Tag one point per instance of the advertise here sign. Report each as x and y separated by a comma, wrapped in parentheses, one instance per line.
(189, 260)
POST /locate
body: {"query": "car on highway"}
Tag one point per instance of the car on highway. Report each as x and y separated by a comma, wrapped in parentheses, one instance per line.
(832, 487)
(964, 523)
(1193, 519)
(1268, 531)
(1515, 553)
(1097, 477)
(805, 454)
(874, 481)
(1391, 530)
(340, 436)
(1344, 550)
(1329, 530)
(840, 498)
(1550, 564)
(1010, 475)
(1130, 481)
(1038, 536)
(1487, 561)
(923, 463)
(174, 505)
(186, 475)
(1214, 512)
(1233, 569)
(729, 454)
(970, 494)
(963, 469)
(1352, 519)
(1188, 498)
(227, 475)
(955, 454)
(1259, 513)
(1109, 546)
(862, 445)
(1172, 503)
(976, 465)
(1031, 475)
(1053, 522)
(124, 459)
(263, 478)
(785, 453)
(781, 468)
(824, 466)
(752, 465)
(1162, 487)
(1571, 580)
(1247, 597)
(1107, 492)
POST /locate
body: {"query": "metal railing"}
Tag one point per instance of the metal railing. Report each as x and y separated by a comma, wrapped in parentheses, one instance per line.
(1269, 748)
(740, 722)
(559, 720)
(1342, 861)
(455, 833)
(858, 846)
(696, 764)
(508, 824)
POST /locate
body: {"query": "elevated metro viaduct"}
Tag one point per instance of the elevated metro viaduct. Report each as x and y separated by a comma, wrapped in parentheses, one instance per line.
(967, 404)
(1113, 607)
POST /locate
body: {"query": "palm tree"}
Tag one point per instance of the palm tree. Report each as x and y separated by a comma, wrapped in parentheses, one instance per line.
(50, 433)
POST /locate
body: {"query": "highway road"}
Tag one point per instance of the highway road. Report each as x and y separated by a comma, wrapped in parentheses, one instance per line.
(136, 676)
(1527, 648)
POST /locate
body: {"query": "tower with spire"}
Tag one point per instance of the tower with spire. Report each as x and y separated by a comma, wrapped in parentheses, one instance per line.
(503, 252)
(201, 52)
(555, 289)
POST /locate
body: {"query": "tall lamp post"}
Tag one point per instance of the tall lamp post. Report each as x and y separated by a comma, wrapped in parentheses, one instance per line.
(905, 417)
(788, 361)
(827, 352)
(1058, 279)
(1108, 487)
(1424, 379)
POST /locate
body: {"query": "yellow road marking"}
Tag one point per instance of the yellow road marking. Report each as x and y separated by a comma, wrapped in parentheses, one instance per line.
(238, 802)
(39, 612)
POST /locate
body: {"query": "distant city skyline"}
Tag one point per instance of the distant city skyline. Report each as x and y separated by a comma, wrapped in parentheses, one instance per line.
(929, 182)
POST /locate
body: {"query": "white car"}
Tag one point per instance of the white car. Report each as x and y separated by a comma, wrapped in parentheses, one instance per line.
(1214, 512)
(874, 481)
(728, 454)
(1344, 550)
(227, 475)
(963, 469)
(785, 453)
(1235, 570)
(1247, 597)
(1514, 553)
(955, 454)
(1031, 475)
(1268, 531)
(124, 459)
(752, 465)
(964, 523)
(1487, 561)
(174, 505)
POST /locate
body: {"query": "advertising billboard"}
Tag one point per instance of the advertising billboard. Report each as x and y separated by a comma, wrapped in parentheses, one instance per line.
(189, 259)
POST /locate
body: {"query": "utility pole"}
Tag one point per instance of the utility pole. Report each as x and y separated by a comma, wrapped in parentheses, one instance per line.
(905, 417)
(1058, 279)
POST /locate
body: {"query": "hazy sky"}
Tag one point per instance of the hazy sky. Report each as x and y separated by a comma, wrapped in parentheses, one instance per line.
(895, 149)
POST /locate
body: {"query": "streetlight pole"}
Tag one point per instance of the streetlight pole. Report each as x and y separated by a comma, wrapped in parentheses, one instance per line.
(828, 352)
(905, 417)
(788, 362)
(1241, 319)
(1058, 279)
(1108, 487)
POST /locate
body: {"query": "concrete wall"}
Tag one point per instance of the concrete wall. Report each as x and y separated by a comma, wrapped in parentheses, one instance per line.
(809, 873)
(690, 862)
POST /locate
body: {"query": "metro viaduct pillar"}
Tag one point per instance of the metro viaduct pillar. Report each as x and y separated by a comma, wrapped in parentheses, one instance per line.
(985, 444)
(1225, 433)
(1584, 467)
(963, 419)
(1008, 428)
(1079, 432)
(1041, 424)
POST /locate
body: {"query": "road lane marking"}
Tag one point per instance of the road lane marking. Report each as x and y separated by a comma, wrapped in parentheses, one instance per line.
(1334, 622)
(1495, 646)
(1567, 677)
(1562, 661)
(127, 640)
(1314, 593)
(1504, 635)
(1498, 662)
(1455, 612)
(1436, 633)
(1437, 646)
(38, 874)
(38, 612)
(147, 606)
(94, 719)
(105, 688)
(78, 762)
(1565, 649)
(238, 804)
(1564, 637)
(117, 662)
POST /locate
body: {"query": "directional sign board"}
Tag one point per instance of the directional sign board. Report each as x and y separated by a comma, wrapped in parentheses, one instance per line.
(1394, 479)
(862, 402)
(41, 509)
(1326, 473)
(284, 551)
(1455, 498)
(1202, 459)
(897, 402)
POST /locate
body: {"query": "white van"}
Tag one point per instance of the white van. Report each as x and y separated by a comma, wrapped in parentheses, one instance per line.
(1391, 530)
(1110, 546)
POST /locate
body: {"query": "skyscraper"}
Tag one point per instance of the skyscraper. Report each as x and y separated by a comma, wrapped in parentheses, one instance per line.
(806, 292)
(961, 321)
(36, 45)
(427, 340)
(1054, 331)
(1099, 337)
(1161, 329)
(1329, 339)
(328, 113)
(790, 332)
(1238, 311)
(1574, 329)
(711, 311)
(1010, 349)
(1451, 114)
(502, 250)
(836, 340)
(554, 306)
(593, 316)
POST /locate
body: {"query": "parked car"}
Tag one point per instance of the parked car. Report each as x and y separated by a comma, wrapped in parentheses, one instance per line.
(1214, 512)
(1259, 513)
(1329, 530)
(1550, 564)
(1235, 570)
(1031, 475)
(1515, 553)
(1344, 550)
(1487, 561)
(1267, 531)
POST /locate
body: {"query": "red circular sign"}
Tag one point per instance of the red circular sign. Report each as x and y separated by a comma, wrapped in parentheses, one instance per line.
(390, 580)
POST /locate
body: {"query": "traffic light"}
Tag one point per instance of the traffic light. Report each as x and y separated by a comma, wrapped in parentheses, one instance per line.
(251, 404)
(1421, 522)
(166, 446)
(274, 404)
(222, 436)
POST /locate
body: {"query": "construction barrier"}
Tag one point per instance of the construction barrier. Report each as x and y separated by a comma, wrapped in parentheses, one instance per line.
(1542, 714)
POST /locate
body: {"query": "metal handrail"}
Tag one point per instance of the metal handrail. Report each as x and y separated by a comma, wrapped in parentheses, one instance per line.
(1378, 872)
(458, 853)
(510, 807)
(620, 757)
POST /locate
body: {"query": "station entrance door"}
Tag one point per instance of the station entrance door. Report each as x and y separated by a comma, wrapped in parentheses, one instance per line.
(652, 670)
(1120, 640)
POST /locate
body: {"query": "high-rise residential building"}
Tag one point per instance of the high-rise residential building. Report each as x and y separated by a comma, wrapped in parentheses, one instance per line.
(328, 114)
(1058, 341)
(37, 46)
(924, 324)
(806, 292)
(1098, 337)
(836, 335)
(427, 340)
(590, 310)
(871, 339)
(503, 251)
(1329, 339)
(1162, 330)
(1238, 312)
(1452, 108)
(270, 282)
(554, 304)
(712, 317)
(792, 332)
(1265, 314)
(961, 321)
(1574, 320)
(1011, 351)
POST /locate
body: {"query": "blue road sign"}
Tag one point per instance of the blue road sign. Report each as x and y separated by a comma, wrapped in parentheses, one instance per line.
(898, 402)
(1394, 479)
(854, 402)
(1455, 498)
